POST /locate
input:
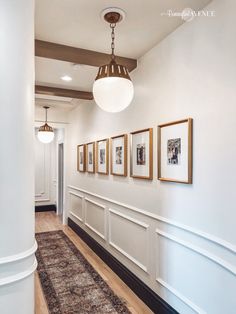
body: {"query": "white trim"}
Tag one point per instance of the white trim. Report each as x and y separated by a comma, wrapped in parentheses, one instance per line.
(20, 256)
(94, 203)
(95, 231)
(137, 222)
(140, 265)
(19, 276)
(104, 218)
(77, 217)
(79, 196)
(229, 267)
(43, 200)
(39, 195)
(180, 296)
(225, 244)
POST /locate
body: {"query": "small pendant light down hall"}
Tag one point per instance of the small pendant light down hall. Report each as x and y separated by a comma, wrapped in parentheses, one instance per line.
(113, 89)
(45, 132)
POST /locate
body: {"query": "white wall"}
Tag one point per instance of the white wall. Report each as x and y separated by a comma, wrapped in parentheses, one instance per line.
(184, 235)
(45, 171)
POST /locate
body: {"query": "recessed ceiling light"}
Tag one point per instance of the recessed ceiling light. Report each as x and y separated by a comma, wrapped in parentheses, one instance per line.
(66, 78)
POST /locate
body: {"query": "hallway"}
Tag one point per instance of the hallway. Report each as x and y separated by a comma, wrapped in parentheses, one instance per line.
(49, 221)
(117, 136)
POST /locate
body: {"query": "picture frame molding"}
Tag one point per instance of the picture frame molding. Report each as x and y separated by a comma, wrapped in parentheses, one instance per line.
(107, 156)
(190, 151)
(125, 155)
(84, 157)
(150, 177)
(94, 159)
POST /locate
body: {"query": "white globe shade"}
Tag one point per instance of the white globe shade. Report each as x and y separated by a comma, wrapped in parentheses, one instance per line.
(45, 136)
(113, 94)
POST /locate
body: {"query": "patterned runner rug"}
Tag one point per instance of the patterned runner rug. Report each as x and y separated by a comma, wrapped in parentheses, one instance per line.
(70, 284)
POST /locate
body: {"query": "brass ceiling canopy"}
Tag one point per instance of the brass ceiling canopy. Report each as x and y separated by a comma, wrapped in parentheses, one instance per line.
(112, 17)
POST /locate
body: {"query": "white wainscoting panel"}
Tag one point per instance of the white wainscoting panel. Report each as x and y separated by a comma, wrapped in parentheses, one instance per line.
(199, 233)
(130, 237)
(178, 259)
(76, 205)
(227, 266)
(168, 251)
(95, 217)
(190, 304)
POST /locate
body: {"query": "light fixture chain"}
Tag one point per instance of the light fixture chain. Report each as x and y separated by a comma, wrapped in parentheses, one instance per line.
(113, 25)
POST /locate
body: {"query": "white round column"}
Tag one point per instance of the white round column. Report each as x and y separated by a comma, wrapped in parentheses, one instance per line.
(17, 244)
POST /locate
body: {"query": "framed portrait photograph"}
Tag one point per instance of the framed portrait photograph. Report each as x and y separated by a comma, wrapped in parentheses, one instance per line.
(102, 156)
(175, 151)
(141, 154)
(81, 158)
(90, 157)
(118, 155)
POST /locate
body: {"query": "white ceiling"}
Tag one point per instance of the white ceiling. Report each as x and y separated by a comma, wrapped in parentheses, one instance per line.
(49, 73)
(78, 23)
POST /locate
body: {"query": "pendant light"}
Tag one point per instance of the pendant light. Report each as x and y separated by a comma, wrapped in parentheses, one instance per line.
(113, 89)
(45, 132)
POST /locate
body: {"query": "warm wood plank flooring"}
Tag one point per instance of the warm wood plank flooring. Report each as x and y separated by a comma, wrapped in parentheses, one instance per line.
(48, 221)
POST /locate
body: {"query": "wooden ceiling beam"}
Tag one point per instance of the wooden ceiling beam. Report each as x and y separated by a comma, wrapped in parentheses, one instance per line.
(78, 55)
(63, 92)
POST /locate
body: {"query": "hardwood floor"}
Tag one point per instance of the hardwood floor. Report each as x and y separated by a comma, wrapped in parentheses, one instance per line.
(48, 221)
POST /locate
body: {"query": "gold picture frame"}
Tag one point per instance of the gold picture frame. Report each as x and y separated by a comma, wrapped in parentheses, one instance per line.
(81, 149)
(88, 166)
(119, 172)
(102, 158)
(186, 151)
(135, 173)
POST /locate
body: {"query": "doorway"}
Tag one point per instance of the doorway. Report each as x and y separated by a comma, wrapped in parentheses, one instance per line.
(60, 180)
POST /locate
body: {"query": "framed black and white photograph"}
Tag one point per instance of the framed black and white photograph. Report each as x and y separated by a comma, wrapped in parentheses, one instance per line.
(81, 158)
(141, 154)
(102, 156)
(175, 151)
(90, 157)
(118, 154)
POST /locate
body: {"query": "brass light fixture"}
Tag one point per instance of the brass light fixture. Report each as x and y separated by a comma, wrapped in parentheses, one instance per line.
(113, 89)
(45, 132)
